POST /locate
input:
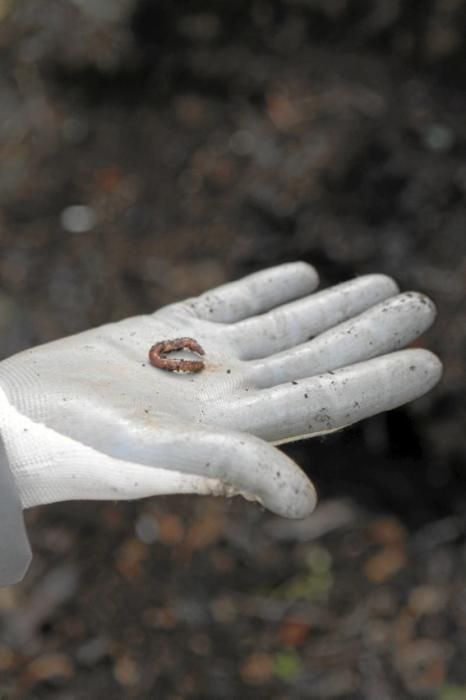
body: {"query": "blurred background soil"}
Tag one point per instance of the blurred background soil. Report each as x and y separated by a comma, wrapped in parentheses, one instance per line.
(152, 149)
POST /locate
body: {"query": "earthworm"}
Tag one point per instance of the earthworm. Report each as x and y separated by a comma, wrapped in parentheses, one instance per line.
(159, 350)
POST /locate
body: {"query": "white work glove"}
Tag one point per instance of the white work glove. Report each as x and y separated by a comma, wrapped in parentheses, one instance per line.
(88, 416)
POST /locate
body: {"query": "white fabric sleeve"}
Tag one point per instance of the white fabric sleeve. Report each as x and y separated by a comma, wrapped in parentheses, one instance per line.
(15, 552)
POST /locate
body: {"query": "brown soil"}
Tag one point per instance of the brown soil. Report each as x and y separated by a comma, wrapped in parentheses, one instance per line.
(212, 139)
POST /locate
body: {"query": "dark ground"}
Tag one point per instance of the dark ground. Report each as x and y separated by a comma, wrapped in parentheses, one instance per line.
(211, 139)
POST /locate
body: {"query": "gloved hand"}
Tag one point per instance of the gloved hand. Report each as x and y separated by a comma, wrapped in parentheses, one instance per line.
(88, 417)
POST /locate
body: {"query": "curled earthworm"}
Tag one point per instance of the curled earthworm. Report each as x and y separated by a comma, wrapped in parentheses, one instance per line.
(159, 350)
